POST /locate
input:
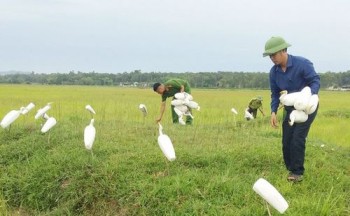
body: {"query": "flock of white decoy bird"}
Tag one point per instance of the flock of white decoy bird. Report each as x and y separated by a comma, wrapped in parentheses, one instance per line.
(303, 102)
(50, 122)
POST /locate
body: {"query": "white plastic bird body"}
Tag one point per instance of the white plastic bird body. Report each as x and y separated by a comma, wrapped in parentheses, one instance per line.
(180, 114)
(182, 111)
(183, 96)
(43, 110)
(248, 115)
(29, 107)
(143, 109)
(192, 104)
(289, 99)
(297, 116)
(9, 118)
(270, 194)
(312, 104)
(177, 102)
(51, 121)
(234, 111)
(166, 145)
(301, 104)
(303, 99)
(306, 91)
(90, 109)
(89, 135)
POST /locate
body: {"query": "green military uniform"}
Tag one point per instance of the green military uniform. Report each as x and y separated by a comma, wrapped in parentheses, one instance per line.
(174, 86)
(254, 105)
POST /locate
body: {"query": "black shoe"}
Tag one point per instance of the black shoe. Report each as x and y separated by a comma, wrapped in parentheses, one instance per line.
(295, 178)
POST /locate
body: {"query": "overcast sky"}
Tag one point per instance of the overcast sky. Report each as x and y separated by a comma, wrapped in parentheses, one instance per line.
(48, 36)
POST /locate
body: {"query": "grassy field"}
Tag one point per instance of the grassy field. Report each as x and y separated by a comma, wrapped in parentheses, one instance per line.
(218, 158)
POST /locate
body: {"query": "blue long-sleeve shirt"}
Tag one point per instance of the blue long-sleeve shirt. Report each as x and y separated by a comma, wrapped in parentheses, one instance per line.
(299, 73)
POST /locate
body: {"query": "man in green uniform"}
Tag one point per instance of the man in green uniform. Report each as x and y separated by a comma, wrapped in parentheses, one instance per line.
(169, 89)
(254, 105)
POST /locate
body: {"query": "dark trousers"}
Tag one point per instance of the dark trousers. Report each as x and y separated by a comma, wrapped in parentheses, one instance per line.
(293, 142)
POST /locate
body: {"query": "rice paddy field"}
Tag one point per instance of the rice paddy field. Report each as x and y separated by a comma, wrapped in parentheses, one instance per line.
(219, 157)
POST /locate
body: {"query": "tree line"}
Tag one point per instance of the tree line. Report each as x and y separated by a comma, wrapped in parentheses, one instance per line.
(233, 80)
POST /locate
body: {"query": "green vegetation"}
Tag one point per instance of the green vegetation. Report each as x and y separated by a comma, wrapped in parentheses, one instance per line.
(218, 158)
(222, 80)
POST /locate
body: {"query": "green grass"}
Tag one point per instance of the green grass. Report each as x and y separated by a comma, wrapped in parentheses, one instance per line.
(218, 158)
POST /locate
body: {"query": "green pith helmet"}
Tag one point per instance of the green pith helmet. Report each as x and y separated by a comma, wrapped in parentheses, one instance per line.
(275, 44)
(259, 98)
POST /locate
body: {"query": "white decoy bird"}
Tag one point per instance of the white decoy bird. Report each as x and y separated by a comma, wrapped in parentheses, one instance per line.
(29, 107)
(10, 117)
(234, 111)
(166, 145)
(183, 96)
(90, 109)
(50, 122)
(271, 195)
(89, 135)
(297, 116)
(143, 109)
(43, 110)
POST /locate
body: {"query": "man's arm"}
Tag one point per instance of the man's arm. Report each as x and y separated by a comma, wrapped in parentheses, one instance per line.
(162, 109)
(262, 111)
(311, 77)
(273, 120)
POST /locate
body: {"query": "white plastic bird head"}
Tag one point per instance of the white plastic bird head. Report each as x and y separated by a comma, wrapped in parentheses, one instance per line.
(233, 110)
(143, 109)
(90, 109)
(30, 106)
(48, 106)
(26, 109)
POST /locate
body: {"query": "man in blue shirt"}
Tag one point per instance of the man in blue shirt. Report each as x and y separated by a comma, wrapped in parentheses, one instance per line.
(291, 73)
